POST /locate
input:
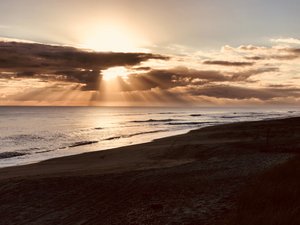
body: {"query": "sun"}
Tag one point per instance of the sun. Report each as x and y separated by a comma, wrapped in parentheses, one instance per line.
(111, 38)
(114, 72)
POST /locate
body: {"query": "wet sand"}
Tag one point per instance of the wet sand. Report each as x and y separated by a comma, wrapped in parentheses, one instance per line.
(186, 179)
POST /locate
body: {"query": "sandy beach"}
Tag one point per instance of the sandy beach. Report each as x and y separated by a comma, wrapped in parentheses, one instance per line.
(186, 179)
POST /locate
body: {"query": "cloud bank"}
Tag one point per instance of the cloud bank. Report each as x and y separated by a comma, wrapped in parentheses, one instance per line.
(248, 74)
(58, 63)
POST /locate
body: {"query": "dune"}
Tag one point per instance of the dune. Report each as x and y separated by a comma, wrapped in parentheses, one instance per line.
(193, 178)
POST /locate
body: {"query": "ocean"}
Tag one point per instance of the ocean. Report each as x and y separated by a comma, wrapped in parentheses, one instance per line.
(33, 134)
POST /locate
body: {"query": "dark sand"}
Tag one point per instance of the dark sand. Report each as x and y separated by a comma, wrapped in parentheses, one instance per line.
(187, 179)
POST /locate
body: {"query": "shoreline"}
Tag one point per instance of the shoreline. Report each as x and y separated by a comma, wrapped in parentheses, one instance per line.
(193, 177)
(186, 132)
(169, 135)
(119, 150)
(79, 152)
(23, 146)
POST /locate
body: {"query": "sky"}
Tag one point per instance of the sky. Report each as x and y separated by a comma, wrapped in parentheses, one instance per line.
(142, 52)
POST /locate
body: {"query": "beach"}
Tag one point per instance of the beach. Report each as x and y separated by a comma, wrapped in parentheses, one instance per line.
(192, 178)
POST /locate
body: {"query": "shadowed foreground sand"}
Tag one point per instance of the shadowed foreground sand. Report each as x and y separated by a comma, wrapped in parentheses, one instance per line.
(187, 179)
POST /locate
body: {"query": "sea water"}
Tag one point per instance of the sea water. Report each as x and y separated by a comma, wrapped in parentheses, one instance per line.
(32, 134)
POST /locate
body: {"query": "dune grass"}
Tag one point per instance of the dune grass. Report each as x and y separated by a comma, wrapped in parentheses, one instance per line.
(272, 199)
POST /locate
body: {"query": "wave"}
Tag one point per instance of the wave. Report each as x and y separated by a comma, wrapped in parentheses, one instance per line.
(45, 151)
(165, 113)
(134, 134)
(247, 116)
(81, 143)
(191, 123)
(29, 149)
(250, 115)
(6, 155)
(231, 117)
(24, 137)
(112, 138)
(153, 121)
(196, 115)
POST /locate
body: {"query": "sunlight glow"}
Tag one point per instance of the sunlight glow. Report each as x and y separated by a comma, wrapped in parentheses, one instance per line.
(114, 72)
(112, 38)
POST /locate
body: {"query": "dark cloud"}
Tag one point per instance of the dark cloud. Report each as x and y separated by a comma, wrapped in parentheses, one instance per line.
(90, 79)
(277, 57)
(243, 76)
(294, 50)
(143, 68)
(24, 55)
(165, 79)
(67, 64)
(27, 60)
(284, 57)
(227, 63)
(288, 54)
(278, 85)
(181, 76)
(255, 57)
(241, 93)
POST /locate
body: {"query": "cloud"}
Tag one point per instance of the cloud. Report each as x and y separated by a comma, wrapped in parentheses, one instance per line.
(276, 57)
(279, 54)
(246, 48)
(165, 79)
(245, 75)
(255, 57)
(294, 50)
(252, 52)
(182, 76)
(90, 79)
(286, 40)
(251, 48)
(47, 62)
(241, 93)
(227, 63)
(31, 56)
(143, 68)
(249, 74)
